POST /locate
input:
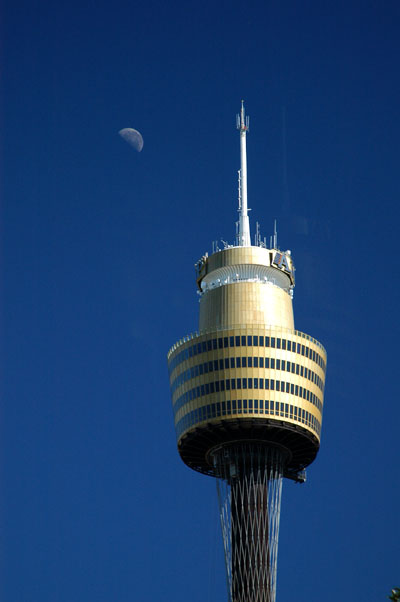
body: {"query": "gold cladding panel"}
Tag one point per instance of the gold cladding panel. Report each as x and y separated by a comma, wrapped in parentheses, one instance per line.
(246, 303)
(265, 373)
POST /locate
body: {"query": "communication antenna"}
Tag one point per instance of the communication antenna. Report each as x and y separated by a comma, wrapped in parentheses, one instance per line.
(239, 190)
(257, 238)
(275, 236)
(242, 124)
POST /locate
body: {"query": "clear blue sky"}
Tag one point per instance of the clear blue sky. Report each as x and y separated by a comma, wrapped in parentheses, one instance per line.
(98, 249)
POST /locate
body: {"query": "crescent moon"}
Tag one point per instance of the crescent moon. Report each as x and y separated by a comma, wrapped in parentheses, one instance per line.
(132, 137)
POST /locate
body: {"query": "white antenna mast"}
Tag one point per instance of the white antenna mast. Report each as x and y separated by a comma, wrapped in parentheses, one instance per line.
(275, 236)
(242, 123)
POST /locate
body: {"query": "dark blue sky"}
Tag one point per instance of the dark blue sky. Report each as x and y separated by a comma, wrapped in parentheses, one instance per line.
(98, 249)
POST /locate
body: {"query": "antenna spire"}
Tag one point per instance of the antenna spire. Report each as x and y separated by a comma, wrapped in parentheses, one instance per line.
(242, 124)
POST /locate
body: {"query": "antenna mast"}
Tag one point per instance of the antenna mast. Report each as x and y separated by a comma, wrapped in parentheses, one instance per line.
(242, 123)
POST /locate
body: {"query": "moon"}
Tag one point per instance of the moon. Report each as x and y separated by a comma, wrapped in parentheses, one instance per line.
(132, 137)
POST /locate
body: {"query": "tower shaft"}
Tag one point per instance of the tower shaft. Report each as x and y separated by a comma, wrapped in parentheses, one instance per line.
(250, 496)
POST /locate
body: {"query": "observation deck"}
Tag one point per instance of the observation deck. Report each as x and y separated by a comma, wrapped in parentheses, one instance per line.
(247, 383)
(248, 374)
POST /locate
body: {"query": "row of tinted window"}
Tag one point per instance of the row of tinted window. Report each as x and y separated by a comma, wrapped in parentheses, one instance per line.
(245, 341)
(246, 406)
(231, 384)
(245, 362)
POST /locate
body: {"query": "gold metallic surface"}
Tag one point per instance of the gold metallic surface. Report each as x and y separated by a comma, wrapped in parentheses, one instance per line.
(246, 292)
(245, 256)
(297, 360)
(246, 303)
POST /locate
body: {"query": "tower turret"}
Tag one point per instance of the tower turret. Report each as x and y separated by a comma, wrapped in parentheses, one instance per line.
(247, 393)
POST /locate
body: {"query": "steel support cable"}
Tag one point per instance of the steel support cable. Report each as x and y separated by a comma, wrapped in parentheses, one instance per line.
(249, 493)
